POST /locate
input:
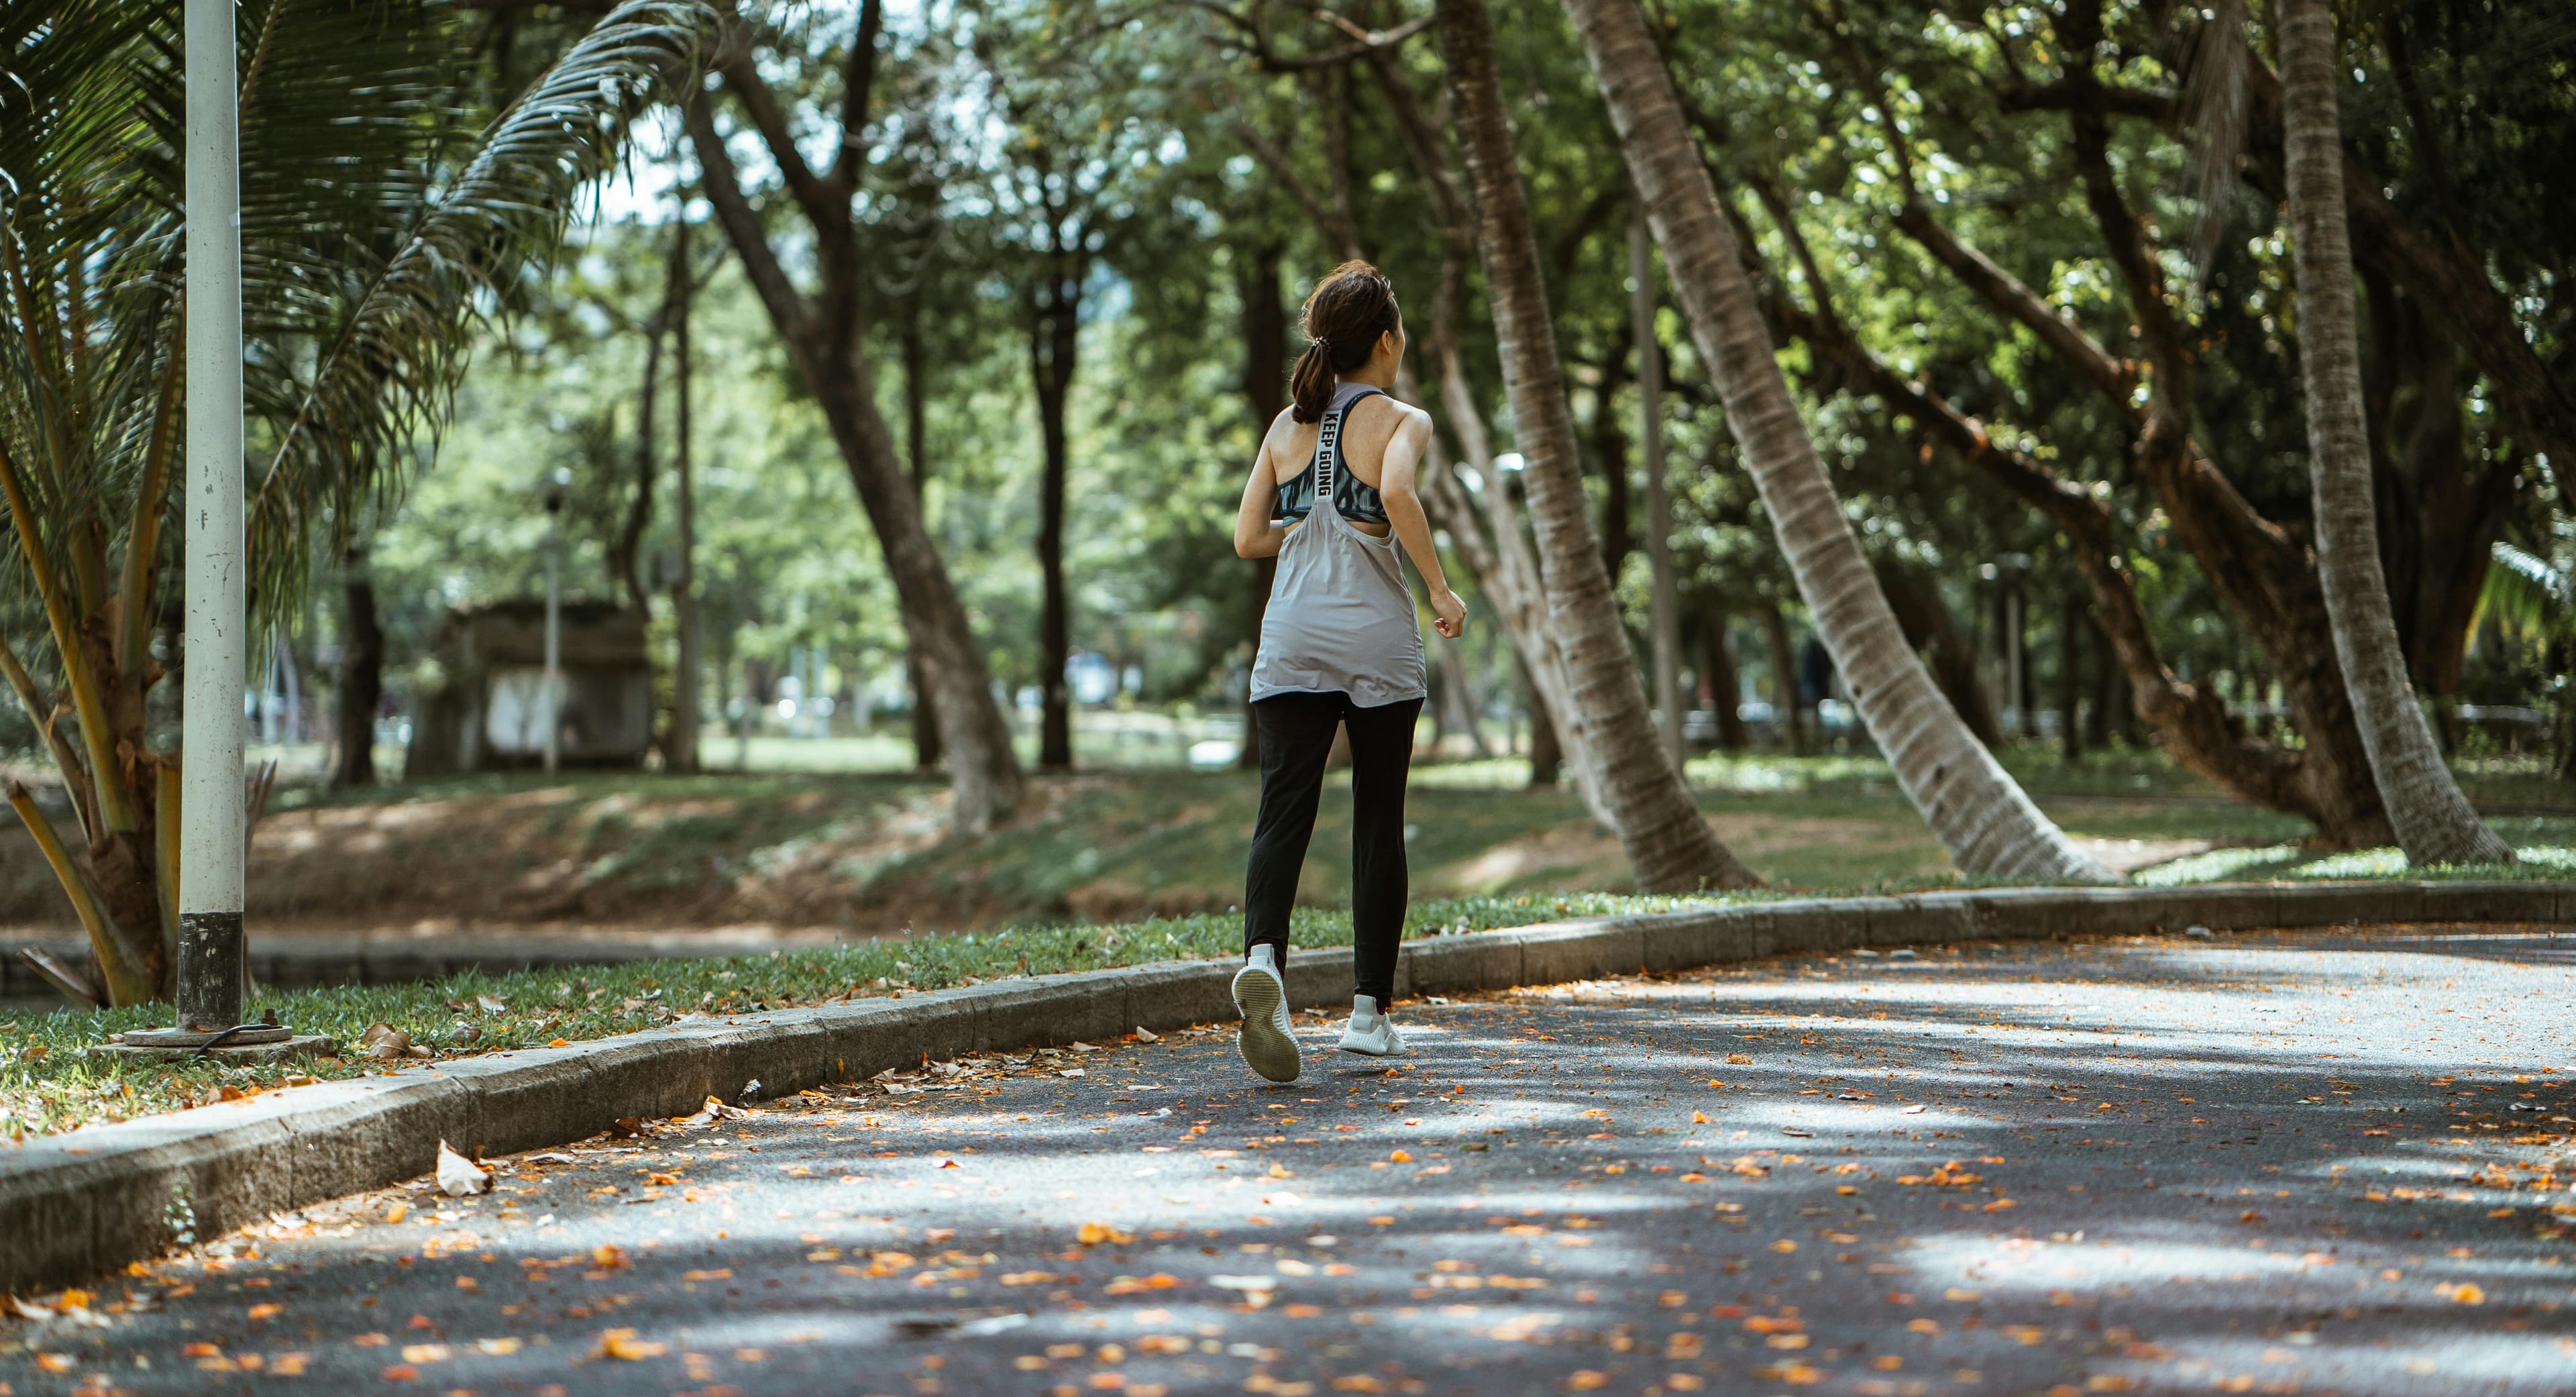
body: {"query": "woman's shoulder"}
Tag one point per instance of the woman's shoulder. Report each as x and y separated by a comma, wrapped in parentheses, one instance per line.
(1282, 429)
(1387, 409)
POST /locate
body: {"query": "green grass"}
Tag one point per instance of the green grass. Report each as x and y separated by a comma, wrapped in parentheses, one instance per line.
(1061, 888)
(47, 1085)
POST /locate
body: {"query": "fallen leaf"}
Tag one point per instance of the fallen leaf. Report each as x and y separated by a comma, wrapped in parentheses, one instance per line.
(622, 1343)
(459, 1177)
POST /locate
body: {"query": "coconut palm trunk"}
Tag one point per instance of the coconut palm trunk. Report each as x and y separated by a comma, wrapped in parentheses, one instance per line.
(2434, 821)
(1979, 813)
(1669, 846)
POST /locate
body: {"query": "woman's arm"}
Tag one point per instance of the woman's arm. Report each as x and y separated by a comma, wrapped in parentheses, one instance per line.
(1396, 486)
(1256, 534)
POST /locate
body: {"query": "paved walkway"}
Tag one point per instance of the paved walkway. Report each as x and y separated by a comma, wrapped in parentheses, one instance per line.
(2304, 1164)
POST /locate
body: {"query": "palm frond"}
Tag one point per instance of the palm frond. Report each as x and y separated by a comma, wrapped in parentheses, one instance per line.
(2521, 592)
(2214, 96)
(408, 314)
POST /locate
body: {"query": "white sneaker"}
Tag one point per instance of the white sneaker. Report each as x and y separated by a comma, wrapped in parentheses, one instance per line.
(1267, 1044)
(1370, 1031)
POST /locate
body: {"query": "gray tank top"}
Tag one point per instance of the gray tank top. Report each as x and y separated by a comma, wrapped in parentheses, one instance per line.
(1340, 618)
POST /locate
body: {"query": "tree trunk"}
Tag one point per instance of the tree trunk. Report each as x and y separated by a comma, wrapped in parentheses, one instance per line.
(1610, 458)
(916, 440)
(2434, 821)
(680, 750)
(1265, 392)
(983, 772)
(826, 345)
(2439, 513)
(2071, 627)
(625, 561)
(1054, 339)
(1973, 806)
(1663, 596)
(362, 673)
(1486, 530)
(1788, 704)
(1670, 846)
(1547, 755)
(2263, 574)
(123, 866)
(1456, 710)
(2111, 713)
(1725, 690)
(1934, 634)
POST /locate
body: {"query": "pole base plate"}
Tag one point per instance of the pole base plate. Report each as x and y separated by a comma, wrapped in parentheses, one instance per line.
(231, 1052)
(242, 1036)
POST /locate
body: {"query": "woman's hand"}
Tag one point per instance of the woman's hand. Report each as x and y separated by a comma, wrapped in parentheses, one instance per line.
(1448, 614)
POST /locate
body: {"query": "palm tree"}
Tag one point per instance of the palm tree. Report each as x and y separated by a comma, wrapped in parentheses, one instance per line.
(2434, 821)
(378, 229)
(1669, 846)
(1974, 807)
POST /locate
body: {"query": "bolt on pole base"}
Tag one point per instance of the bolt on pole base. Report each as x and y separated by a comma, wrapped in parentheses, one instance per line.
(211, 982)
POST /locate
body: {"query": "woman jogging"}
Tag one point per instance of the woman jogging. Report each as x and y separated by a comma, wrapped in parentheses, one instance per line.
(1331, 496)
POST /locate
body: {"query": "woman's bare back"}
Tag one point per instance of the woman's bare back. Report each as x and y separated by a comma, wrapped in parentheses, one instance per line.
(1367, 428)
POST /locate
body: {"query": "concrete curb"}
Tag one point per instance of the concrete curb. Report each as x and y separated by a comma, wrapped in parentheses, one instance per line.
(75, 1206)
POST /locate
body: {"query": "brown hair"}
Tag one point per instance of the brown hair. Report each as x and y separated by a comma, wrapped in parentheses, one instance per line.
(1344, 317)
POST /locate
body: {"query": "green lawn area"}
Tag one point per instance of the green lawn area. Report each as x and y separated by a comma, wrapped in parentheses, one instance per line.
(865, 853)
(1105, 869)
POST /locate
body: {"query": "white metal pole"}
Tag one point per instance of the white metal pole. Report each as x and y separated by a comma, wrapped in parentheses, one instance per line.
(212, 829)
(1659, 509)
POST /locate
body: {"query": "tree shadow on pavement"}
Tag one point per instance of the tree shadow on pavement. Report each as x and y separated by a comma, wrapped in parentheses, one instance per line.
(2314, 1164)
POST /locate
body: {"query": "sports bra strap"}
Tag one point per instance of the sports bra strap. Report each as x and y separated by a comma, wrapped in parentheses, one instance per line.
(1328, 439)
(1328, 442)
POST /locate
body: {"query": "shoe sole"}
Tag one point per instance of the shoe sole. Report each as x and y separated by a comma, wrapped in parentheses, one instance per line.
(1266, 1049)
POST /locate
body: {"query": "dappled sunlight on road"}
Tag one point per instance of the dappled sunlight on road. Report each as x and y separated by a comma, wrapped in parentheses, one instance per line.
(2264, 1164)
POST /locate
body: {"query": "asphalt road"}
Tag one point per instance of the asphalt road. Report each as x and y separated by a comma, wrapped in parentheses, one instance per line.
(2302, 1164)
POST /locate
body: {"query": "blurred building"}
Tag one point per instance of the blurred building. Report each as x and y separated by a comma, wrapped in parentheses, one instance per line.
(490, 708)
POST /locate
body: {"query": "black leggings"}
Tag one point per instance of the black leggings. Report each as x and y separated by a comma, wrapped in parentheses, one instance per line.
(1296, 733)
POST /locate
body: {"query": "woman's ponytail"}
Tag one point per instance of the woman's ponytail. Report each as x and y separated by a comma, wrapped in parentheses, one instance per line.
(1345, 316)
(1310, 386)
